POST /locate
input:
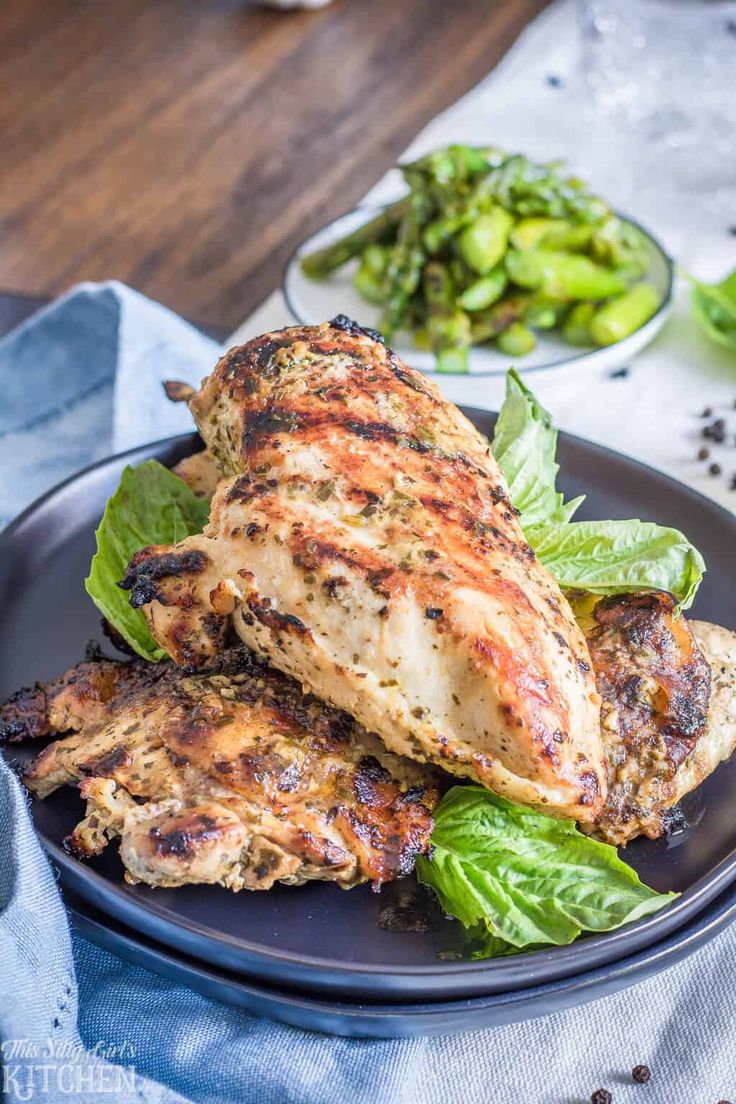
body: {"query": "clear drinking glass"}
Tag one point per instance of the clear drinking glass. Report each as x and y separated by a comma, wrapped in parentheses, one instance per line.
(662, 74)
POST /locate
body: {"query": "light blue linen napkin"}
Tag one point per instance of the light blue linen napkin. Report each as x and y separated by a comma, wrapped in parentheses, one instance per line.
(80, 380)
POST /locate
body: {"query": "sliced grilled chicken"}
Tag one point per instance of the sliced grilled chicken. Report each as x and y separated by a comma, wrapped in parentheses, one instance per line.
(363, 540)
(668, 717)
(230, 776)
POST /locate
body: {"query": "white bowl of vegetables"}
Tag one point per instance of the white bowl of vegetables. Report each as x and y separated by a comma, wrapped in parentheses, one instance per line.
(488, 259)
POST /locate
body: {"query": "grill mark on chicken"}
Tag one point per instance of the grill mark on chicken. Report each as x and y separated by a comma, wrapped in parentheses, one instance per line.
(233, 775)
(280, 419)
(655, 687)
(263, 610)
(181, 841)
(25, 712)
(367, 499)
(145, 570)
(108, 762)
(349, 325)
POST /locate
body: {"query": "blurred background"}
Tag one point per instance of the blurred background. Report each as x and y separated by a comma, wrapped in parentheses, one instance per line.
(185, 147)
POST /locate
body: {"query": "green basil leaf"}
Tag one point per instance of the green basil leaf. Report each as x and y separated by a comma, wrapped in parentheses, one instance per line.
(613, 557)
(604, 557)
(524, 445)
(150, 506)
(509, 873)
(714, 307)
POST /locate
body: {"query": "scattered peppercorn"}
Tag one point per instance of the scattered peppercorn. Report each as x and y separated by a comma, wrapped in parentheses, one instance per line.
(641, 1074)
(715, 432)
(432, 613)
(707, 412)
(704, 453)
(601, 1096)
(554, 81)
(619, 373)
(715, 469)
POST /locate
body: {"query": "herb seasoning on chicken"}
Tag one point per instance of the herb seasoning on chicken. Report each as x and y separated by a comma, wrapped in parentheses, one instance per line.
(231, 776)
(354, 500)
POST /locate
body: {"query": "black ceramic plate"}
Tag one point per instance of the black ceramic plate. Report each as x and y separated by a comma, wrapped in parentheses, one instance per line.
(318, 937)
(402, 1020)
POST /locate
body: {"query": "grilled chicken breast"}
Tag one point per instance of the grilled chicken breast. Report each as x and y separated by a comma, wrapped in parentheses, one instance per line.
(668, 714)
(363, 540)
(200, 472)
(230, 776)
(719, 741)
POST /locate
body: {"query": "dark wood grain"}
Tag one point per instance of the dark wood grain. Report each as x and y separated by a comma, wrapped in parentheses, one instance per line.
(185, 146)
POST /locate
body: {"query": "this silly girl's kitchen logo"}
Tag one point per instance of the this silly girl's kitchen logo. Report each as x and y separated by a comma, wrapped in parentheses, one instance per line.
(55, 1068)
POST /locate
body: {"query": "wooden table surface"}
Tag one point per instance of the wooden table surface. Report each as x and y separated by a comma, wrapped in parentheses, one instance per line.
(186, 146)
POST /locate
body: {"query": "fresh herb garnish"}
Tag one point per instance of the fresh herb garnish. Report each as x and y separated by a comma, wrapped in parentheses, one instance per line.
(604, 557)
(714, 307)
(525, 447)
(615, 557)
(150, 506)
(514, 875)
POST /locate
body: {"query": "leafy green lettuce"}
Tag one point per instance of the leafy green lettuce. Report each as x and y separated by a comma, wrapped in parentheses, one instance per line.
(150, 506)
(512, 874)
(604, 557)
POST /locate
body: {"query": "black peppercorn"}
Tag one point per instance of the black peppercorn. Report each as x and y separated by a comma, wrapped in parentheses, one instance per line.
(704, 453)
(707, 412)
(641, 1074)
(715, 432)
(715, 469)
(601, 1096)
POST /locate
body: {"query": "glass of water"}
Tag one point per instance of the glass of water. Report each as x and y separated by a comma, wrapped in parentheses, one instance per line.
(662, 74)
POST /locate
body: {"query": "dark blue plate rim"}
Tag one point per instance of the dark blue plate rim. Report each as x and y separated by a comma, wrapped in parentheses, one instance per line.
(404, 1019)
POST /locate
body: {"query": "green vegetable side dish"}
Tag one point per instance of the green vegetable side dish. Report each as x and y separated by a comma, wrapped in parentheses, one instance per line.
(150, 506)
(491, 248)
(512, 876)
(516, 878)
